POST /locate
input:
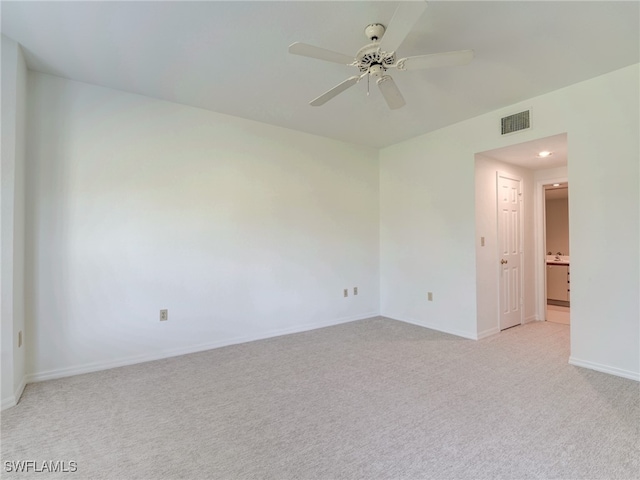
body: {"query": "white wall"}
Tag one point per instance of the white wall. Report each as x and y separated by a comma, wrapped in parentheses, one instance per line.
(604, 173)
(427, 232)
(487, 258)
(12, 213)
(550, 174)
(427, 210)
(244, 230)
(241, 230)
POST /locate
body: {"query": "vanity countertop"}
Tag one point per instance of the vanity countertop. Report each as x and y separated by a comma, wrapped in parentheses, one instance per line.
(558, 260)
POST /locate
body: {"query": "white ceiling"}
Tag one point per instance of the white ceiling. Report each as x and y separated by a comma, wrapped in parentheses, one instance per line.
(526, 154)
(231, 57)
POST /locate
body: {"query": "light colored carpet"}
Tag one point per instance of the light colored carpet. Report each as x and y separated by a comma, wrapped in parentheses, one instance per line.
(369, 399)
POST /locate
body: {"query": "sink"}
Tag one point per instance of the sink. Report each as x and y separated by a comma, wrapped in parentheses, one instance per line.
(558, 259)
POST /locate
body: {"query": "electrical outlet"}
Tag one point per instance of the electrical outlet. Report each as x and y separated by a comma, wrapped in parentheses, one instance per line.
(164, 315)
(430, 296)
(355, 290)
(19, 338)
(346, 292)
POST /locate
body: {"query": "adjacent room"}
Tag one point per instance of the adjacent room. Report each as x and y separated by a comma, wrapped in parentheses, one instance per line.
(320, 239)
(556, 197)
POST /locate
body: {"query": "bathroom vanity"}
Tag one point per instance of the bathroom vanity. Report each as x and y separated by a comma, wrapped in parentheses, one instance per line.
(558, 280)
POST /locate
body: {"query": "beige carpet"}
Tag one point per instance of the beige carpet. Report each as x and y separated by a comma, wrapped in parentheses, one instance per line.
(365, 400)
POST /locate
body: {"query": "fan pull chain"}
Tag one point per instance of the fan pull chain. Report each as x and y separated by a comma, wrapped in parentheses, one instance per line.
(368, 84)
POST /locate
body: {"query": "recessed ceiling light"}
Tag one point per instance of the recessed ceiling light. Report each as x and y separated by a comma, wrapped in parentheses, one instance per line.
(545, 153)
(556, 184)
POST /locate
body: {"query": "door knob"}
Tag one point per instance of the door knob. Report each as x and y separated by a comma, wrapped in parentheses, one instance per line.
(503, 261)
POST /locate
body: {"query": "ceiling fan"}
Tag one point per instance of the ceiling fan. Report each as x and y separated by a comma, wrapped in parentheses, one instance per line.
(374, 59)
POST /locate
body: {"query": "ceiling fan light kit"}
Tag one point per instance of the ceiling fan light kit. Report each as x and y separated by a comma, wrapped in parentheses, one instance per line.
(374, 59)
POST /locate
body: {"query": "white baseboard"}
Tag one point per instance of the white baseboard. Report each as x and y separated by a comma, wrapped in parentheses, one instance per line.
(494, 330)
(20, 389)
(132, 360)
(457, 333)
(488, 333)
(618, 372)
(8, 402)
(12, 400)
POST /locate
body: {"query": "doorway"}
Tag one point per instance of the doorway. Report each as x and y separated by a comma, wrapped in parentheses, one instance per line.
(557, 253)
(537, 163)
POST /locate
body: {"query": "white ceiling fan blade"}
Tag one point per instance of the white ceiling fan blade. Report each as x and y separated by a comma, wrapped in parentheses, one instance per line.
(390, 92)
(401, 24)
(447, 59)
(325, 97)
(320, 53)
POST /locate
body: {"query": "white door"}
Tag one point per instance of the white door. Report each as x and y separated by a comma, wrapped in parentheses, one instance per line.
(510, 249)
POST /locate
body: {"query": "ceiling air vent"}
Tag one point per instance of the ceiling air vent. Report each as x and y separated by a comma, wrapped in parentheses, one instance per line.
(516, 122)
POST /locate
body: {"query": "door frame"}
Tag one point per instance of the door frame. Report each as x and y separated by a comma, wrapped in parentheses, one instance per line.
(541, 244)
(520, 180)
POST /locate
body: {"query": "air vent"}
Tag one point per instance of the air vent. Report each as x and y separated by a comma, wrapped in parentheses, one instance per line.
(516, 122)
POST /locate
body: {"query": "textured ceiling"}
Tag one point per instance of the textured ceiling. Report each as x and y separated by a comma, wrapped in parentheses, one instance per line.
(231, 57)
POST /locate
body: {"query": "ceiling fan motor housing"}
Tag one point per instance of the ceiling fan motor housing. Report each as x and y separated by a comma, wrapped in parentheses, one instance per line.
(371, 54)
